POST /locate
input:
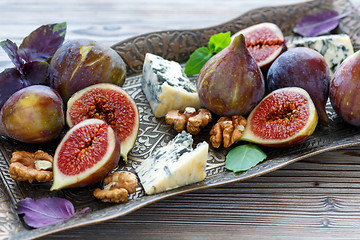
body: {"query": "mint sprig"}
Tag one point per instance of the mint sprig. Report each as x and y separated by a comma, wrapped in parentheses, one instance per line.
(201, 55)
(244, 157)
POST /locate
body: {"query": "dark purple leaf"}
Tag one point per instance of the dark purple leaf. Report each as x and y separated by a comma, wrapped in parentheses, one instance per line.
(36, 72)
(319, 22)
(11, 50)
(10, 82)
(42, 43)
(46, 211)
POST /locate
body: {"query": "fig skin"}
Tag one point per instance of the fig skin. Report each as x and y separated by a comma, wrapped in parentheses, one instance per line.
(344, 90)
(102, 166)
(231, 82)
(98, 101)
(305, 68)
(80, 63)
(34, 114)
(265, 41)
(275, 126)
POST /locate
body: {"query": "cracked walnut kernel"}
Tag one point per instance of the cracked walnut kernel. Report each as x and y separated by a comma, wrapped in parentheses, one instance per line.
(227, 130)
(190, 119)
(26, 166)
(117, 187)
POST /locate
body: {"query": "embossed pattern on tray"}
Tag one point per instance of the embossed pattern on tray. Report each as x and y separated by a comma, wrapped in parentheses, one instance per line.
(176, 45)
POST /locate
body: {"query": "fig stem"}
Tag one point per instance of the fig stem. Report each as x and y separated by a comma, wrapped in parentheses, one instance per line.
(239, 41)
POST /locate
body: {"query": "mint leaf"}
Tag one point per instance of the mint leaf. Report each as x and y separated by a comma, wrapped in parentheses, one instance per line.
(201, 55)
(46, 211)
(197, 60)
(219, 41)
(244, 157)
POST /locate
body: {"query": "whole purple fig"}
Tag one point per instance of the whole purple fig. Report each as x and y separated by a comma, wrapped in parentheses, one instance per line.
(345, 91)
(231, 83)
(33, 114)
(78, 64)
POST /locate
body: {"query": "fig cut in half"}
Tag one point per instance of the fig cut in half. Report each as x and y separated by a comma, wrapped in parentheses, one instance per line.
(284, 118)
(265, 42)
(88, 152)
(110, 103)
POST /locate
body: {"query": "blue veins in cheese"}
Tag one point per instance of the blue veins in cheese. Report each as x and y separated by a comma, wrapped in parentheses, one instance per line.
(166, 87)
(334, 48)
(174, 165)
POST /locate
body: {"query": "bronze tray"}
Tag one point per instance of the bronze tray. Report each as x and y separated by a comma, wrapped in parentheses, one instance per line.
(175, 45)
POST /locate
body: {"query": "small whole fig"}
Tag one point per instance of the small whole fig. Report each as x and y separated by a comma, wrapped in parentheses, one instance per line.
(231, 82)
(34, 114)
(80, 63)
(305, 68)
(344, 90)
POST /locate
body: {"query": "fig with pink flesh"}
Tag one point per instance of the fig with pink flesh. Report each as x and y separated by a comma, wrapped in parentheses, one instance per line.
(284, 118)
(345, 91)
(110, 103)
(34, 114)
(305, 68)
(231, 82)
(88, 152)
(265, 41)
(80, 63)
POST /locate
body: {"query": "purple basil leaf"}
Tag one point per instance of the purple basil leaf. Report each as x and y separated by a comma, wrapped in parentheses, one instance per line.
(321, 21)
(36, 72)
(46, 211)
(11, 50)
(10, 82)
(42, 43)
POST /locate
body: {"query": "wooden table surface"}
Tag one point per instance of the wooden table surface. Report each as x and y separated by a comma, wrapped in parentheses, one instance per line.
(318, 197)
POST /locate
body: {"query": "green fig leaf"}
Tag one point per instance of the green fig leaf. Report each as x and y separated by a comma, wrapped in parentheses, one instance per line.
(219, 41)
(244, 157)
(197, 60)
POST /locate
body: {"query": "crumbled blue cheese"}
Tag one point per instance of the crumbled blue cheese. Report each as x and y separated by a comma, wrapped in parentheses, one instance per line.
(166, 87)
(334, 48)
(174, 165)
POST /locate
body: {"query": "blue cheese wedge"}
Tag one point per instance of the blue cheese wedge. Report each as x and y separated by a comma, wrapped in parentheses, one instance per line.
(334, 48)
(166, 87)
(174, 165)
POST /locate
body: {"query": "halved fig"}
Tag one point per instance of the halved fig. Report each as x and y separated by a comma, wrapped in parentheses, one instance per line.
(88, 152)
(265, 42)
(110, 103)
(284, 118)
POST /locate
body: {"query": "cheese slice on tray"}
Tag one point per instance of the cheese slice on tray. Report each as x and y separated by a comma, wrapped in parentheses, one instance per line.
(166, 87)
(174, 165)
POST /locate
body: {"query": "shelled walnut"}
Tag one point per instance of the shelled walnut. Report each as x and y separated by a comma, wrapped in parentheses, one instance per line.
(26, 166)
(117, 187)
(190, 119)
(227, 130)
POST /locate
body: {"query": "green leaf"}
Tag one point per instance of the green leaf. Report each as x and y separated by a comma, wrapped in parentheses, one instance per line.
(197, 60)
(244, 157)
(219, 41)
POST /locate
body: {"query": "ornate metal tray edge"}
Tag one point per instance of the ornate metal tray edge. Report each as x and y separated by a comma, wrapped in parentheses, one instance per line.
(338, 135)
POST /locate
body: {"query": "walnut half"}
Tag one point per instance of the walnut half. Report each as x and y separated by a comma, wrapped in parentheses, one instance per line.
(227, 130)
(26, 166)
(117, 187)
(191, 120)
